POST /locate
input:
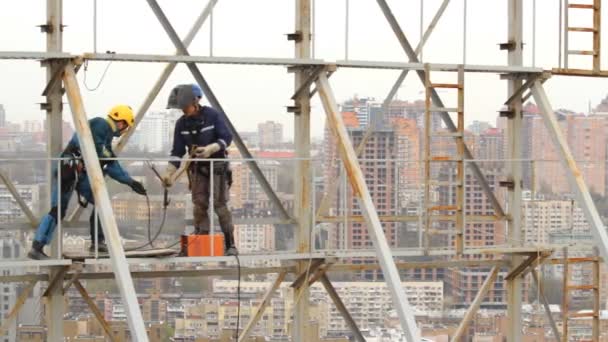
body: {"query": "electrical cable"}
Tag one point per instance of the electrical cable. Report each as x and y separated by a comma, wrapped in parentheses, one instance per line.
(103, 75)
(166, 202)
(238, 297)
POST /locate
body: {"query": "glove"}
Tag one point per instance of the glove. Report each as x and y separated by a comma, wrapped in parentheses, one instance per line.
(138, 187)
(206, 151)
(168, 175)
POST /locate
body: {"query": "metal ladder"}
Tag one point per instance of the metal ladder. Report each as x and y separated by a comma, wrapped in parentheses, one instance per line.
(595, 287)
(458, 207)
(595, 29)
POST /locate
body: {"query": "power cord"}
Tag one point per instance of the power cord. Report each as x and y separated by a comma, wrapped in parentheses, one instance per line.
(103, 75)
(238, 297)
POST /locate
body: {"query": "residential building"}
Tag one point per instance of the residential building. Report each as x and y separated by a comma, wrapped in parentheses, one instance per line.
(9, 209)
(477, 127)
(254, 238)
(130, 207)
(11, 249)
(367, 302)
(390, 163)
(155, 131)
(546, 220)
(270, 134)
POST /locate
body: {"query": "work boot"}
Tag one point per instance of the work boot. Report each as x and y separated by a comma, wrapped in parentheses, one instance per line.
(101, 247)
(229, 246)
(231, 251)
(37, 252)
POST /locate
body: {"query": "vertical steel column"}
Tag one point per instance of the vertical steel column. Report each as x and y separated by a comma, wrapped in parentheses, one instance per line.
(514, 171)
(104, 205)
(303, 181)
(54, 123)
(361, 192)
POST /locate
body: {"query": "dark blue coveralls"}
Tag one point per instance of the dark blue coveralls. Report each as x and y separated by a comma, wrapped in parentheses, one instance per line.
(75, 178)
(201, 129)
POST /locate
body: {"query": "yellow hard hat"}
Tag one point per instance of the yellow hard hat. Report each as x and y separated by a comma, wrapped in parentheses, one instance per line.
(122, 113)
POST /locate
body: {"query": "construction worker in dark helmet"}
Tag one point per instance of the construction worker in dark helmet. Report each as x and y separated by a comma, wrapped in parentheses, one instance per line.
(74, 177)
(202, 132)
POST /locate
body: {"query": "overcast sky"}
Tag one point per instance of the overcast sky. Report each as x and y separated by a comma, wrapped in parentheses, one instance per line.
(247, 28)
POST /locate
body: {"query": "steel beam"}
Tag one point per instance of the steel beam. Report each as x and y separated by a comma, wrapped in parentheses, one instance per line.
(521, 268)
(12, 315)
(102, 321)
(470, 314)
(56, 282)
(303, 190)
(573, 173)
(343, 267)
(104, 206)
(330, 194)
(335, 297)
(198, 76)
(445, 116)
(361, 192)
(407, 218)
(13, 190)
(543, 299)
(311, 268)
(262, 307)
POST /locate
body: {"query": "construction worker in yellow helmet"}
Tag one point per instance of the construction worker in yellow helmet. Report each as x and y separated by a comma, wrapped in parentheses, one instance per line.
(74, 177)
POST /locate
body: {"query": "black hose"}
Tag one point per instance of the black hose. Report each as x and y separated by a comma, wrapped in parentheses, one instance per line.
(238, 297)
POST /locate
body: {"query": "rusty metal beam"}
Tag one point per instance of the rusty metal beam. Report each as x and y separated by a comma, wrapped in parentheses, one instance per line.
(102, 321)
(408, 218)
(573, 173)
(56, 281)
(543, 299)
(262, 307)
(13, 190)
(104, 206)
(519, 270)
(335, 297)
(361, 192)
(468, 317)
(12, 315)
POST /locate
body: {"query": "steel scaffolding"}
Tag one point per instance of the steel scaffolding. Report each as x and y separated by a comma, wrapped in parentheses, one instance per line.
(311, 77)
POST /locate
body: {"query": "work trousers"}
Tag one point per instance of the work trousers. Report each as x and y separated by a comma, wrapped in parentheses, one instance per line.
(200, 184)
(70, 182)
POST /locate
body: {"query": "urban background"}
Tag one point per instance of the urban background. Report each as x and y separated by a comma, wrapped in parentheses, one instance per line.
(199, 309)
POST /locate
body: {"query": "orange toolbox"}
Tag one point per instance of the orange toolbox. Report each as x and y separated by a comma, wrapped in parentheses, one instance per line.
(202, 245)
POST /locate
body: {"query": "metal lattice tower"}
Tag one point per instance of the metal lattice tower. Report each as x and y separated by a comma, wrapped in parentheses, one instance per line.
(312, 78)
